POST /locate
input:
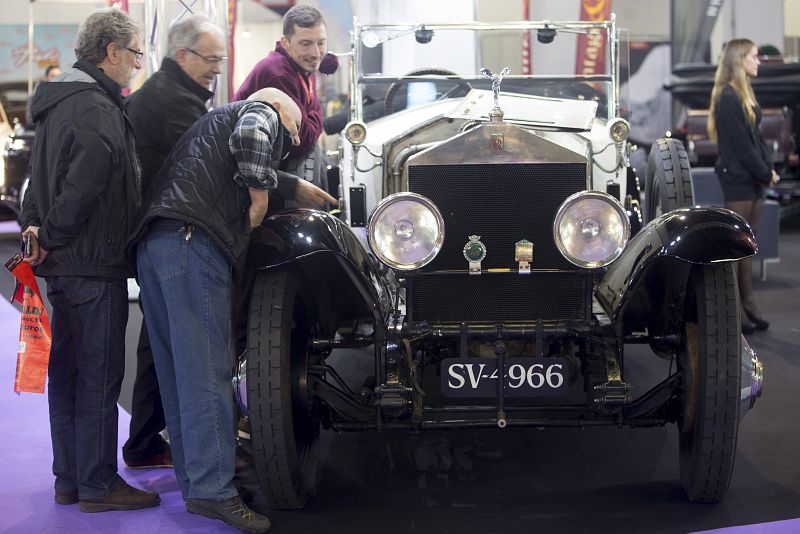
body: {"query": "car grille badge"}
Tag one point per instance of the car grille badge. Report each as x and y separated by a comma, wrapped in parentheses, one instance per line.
(498, 143)
(474, 252)
(523, 253)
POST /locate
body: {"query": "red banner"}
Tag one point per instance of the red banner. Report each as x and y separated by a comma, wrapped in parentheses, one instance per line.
(590, 57)
(231, 48)
(122, 4)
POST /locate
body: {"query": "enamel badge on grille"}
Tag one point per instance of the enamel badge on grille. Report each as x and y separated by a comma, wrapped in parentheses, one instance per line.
(474, 252)
(523, 253)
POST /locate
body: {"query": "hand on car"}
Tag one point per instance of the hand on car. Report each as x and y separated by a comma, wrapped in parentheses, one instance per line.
(259, 201)
(775, 178)
(309, 195)
(38, 254)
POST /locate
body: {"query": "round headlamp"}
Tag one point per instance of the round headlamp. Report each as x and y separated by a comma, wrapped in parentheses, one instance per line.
(355, 132)
(406, 231)
(619, 129)
(591, 229)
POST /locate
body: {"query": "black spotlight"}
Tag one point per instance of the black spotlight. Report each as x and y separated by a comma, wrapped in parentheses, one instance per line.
(545, 35)
(423, 36)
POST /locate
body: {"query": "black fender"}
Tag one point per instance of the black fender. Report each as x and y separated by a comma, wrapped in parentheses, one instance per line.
(345, 279)
(696, 235)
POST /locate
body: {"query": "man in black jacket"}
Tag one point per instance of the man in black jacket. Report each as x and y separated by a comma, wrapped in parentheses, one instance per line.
(79, 211)
(168, 103)
(211, 191)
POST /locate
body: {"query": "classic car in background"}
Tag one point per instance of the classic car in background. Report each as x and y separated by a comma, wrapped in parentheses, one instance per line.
(777, 89)
(15, 147)
(490, 262)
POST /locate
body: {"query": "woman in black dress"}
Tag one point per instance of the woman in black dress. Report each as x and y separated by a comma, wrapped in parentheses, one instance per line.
(744, 165)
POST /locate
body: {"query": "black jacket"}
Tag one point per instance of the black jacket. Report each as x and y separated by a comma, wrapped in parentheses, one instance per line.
(196, 184)
(164, 107)
(743, 155)
(85, 186)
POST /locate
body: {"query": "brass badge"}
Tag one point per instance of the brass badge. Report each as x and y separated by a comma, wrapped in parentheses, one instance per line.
(474, 252)
(497, 142)
(523, 253)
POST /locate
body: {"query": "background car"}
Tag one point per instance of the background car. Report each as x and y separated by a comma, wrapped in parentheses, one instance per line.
(15, 144)
(777, 89)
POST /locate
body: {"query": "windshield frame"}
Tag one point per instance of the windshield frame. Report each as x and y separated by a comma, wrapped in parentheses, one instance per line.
(609, 27)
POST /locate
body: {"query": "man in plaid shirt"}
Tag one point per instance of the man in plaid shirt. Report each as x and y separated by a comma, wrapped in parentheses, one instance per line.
(192, 235)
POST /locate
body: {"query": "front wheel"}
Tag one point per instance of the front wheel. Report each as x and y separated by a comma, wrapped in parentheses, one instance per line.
(710, 365)
(284, 430)
(668, 182)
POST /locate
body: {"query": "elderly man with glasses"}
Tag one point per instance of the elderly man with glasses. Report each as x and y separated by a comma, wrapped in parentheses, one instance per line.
(79, 210)
(168, 103)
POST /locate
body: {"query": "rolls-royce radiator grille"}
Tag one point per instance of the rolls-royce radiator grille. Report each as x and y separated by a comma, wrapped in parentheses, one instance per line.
(503, 204)
(499, 297)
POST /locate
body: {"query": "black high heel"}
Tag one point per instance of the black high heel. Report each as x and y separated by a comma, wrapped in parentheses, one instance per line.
(758, 322)
(748, 327)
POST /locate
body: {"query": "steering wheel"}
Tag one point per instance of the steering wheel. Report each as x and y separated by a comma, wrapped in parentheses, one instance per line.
(391, 93)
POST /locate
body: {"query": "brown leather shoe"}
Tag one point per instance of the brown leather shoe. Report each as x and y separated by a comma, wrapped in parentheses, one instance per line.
(121, 497)
(162, 459)
(66, 496)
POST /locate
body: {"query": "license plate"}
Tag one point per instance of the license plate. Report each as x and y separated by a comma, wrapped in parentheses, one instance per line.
(523, 377)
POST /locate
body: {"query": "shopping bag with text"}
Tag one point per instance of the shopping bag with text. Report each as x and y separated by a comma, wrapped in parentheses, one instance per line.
(35, 336)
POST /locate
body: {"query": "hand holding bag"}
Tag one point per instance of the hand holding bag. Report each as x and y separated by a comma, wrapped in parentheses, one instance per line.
(35, 337)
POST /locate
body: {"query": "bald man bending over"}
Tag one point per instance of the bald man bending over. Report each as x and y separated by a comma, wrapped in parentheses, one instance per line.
(193, 232)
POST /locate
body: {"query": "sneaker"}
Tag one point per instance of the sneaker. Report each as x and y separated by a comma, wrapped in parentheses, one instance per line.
(66, 496)
(232, 511)
(121, 497)
(161, 459)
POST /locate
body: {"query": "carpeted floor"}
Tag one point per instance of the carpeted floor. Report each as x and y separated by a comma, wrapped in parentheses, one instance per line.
(26, 491)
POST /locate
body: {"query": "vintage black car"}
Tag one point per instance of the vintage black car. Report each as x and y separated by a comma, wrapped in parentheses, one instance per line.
(491, 260)
(15, 147)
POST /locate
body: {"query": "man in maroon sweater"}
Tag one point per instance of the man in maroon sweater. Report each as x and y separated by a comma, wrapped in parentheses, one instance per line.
(291, 67)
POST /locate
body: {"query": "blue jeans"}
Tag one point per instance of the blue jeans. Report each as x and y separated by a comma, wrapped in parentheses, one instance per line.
(87, 362)
(186, 289)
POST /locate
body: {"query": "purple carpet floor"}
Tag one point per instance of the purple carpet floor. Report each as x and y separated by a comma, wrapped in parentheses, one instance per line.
(26, 488)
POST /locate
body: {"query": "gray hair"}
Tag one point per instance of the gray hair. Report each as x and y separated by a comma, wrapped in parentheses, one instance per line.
(102, 28)
(302, 16)
(187, 32)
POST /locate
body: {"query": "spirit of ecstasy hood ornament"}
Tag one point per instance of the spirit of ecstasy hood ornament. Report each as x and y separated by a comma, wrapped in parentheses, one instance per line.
(496, 114)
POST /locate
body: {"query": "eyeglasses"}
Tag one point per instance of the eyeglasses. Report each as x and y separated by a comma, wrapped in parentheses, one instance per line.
(211, 60)
(136, 53)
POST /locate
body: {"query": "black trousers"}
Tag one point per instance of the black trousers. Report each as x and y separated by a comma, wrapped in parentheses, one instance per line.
(147, 414)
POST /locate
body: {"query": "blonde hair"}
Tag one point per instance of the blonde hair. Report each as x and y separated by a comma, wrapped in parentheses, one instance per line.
(730, 72)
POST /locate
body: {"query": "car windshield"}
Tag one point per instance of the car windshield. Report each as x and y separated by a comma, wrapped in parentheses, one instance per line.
(397, 67)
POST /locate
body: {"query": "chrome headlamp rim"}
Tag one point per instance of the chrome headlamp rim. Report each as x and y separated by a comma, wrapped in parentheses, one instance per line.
(615, 133)
(597, 195)
(355, 132)
(378, 211)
